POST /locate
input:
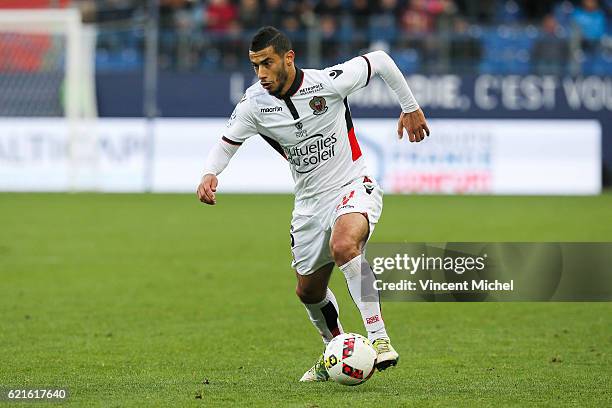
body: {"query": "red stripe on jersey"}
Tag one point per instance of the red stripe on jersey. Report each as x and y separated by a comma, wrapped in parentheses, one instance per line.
(355, 149)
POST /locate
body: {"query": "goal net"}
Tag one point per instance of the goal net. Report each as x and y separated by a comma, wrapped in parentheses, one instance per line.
(45, 69)
(47, 96)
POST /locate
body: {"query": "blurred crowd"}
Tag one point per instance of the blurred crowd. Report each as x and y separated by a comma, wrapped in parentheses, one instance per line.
(411, 16)
(432, 35)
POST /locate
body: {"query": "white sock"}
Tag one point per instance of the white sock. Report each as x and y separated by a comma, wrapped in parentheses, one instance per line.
(324, 316)
(360, 281)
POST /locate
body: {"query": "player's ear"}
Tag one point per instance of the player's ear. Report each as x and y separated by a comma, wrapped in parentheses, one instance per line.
(289, 57)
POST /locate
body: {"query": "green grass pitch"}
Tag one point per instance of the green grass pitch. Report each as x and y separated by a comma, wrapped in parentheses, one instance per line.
(157, 300)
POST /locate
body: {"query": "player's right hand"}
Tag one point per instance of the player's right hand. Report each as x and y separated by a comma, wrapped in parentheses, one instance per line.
(207, 188)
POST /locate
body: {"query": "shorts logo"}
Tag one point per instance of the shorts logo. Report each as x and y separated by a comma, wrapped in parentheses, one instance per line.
(318, 104)
(346, 199)
(372, 319)
(368, 184)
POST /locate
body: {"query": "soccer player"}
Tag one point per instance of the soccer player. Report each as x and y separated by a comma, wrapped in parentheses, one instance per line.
(305, 116)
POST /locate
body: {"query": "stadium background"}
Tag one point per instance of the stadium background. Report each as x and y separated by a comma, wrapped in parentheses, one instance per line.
(132, 299)
(512, 60)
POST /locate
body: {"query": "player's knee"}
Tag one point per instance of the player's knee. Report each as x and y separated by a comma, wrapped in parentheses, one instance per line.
(309, 295)
(343, 250)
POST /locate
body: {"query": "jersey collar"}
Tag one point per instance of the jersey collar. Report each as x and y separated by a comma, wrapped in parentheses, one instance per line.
(295, 85)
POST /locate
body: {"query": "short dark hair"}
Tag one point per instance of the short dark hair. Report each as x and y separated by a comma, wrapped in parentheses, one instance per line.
(270, 36)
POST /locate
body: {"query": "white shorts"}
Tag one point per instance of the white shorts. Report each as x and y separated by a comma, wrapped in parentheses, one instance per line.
(313, 220)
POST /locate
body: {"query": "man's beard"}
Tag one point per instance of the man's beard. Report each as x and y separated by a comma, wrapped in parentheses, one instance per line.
(282, 79)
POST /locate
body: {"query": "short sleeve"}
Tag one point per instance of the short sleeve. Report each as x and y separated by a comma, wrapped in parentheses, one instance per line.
(241, 124)
(350, 76)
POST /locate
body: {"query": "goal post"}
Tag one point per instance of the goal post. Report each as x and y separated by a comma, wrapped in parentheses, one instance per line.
(58, 49)
(47, 76)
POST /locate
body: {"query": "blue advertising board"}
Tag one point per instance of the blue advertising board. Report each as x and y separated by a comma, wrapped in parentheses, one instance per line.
(440, 96)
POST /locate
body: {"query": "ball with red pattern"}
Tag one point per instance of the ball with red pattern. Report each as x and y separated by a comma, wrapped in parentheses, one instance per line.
(350, 359)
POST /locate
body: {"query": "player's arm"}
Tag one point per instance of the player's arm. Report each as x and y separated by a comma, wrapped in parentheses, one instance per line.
(240, 127)
(355, 74)
(412, 118)
(217, 160)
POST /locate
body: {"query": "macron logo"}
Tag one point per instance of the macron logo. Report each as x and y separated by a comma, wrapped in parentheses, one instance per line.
(335, 73)
(272, 109)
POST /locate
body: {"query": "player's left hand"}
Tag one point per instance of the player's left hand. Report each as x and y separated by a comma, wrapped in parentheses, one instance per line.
(415, 124)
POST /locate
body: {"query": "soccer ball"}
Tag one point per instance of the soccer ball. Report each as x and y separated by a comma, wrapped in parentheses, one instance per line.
(350, 359)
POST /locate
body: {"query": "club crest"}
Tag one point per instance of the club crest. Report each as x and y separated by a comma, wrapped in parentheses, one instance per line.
(318, 105)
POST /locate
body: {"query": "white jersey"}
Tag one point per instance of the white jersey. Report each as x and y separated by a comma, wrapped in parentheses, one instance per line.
(311, 126)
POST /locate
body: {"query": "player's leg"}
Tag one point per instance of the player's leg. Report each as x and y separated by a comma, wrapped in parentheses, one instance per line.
(320, 302)
(348, 238)
(313, 266)
(323, 311)
(347, 242)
